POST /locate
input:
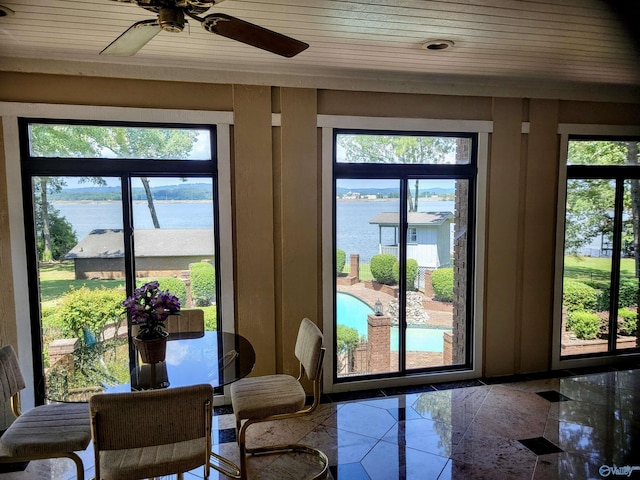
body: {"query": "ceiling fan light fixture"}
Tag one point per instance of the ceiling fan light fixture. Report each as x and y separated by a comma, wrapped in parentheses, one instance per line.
(171, 19)
(6, 11)
(438, 44)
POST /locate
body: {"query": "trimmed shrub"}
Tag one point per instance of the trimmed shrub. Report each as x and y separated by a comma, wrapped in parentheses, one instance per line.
(382, 268)
(627, 295)
(174, 285)
(92, 309)
(585, 325)
(578, 296)
(412, 273)
(203, 283)
(341, 258)
(442, 282)
(627, 322)
(210, 320)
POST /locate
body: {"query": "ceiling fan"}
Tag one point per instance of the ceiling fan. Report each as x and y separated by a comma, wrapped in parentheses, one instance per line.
(171, 18)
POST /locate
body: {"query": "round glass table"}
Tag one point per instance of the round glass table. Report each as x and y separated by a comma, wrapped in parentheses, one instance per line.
(217, 358)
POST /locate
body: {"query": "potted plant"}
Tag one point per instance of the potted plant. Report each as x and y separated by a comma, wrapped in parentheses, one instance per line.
(149, 308)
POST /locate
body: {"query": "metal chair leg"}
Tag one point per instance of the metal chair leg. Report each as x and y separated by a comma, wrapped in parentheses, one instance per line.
(278, 449)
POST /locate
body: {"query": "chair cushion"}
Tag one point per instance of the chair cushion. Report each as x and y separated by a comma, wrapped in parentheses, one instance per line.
(48, 429)
(153, 461)
(267, 395)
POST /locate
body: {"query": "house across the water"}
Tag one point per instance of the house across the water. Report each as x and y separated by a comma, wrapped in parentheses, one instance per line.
(158, 252)
(428, 237)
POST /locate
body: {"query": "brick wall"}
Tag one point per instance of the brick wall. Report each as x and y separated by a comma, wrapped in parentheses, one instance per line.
(460, 260)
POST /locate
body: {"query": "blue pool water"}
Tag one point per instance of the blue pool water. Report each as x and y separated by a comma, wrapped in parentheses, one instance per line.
(352, 312)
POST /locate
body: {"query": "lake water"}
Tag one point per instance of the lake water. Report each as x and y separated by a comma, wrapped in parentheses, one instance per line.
(355, 233)
(85, 217)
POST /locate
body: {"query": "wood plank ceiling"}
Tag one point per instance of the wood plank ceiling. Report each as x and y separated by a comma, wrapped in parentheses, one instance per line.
(546, 42)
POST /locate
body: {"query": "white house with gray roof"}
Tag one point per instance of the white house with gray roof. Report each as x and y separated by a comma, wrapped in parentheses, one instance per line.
(158, 252)
(428, 236)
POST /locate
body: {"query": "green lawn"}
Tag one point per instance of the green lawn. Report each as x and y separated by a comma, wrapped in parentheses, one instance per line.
(584, 269)
(596, 270)
(57, 279)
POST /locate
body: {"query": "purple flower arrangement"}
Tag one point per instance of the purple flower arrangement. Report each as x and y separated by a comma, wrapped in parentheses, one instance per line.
(149, 308)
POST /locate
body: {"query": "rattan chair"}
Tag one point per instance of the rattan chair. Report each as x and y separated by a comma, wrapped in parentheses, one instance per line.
(151, 433)
(277, 397)
(47, 431)
(188, 322)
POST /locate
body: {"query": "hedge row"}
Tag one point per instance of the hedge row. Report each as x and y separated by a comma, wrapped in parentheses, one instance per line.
(582, 301)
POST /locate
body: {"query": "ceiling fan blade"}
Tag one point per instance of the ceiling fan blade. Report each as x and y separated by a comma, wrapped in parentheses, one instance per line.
(253, 35)
(133, 39)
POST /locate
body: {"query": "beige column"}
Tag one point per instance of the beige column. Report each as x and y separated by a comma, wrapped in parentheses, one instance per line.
(297, 221)
(501, 348)
(539, 236)
(252, 194)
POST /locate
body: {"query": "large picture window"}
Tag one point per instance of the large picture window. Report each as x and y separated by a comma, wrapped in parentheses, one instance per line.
(403, 234)
(105, 216)
(601, 247)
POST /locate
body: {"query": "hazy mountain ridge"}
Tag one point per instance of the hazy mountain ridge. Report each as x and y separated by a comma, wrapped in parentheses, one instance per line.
(198, 191)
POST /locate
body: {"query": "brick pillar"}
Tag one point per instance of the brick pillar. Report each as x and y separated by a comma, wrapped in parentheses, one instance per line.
(458, 341)
(447, 352)
(355, 266)
(60, 349)
(185, 276)
(379, 337)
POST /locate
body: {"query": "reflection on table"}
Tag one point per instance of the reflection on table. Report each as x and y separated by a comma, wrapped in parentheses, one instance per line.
(213, 357)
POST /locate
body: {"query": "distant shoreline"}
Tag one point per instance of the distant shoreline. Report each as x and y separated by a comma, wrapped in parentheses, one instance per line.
(135, 201)
(420, 200)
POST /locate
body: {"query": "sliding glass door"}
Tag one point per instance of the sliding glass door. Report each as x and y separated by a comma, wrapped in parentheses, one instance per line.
(403, 220)
(110, 208)
(601, 248)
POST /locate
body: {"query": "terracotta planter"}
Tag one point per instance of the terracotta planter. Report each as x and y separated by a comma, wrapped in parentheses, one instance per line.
(153, 350)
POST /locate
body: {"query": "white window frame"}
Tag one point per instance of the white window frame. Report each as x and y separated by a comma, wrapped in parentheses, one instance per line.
(565, 130)
(330, 122)
(10, 111)
(412, 235)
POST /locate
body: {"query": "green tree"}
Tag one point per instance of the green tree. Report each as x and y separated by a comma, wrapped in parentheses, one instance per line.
(62, 238)
(347, 341)
(590, 202)
(397, 149)
(78, 141)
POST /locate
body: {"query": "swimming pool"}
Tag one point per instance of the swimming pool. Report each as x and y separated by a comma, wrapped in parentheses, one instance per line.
(352, 312)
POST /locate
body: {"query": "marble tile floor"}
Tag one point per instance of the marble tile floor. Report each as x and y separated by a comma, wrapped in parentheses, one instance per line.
(578, 425)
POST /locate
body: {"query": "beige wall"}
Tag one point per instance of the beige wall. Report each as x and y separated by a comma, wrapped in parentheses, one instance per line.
(8, 330)
(276, 198)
